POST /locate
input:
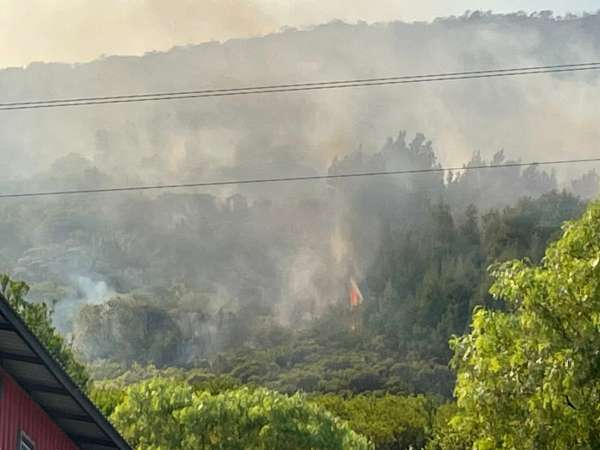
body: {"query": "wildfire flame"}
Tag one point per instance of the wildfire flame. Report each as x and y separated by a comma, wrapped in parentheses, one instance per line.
(356, 297)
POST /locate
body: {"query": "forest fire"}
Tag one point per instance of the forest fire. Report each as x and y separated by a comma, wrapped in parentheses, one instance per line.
(345, 236)
(355, 296)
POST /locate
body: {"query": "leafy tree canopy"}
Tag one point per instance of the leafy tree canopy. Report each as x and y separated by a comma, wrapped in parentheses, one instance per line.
(391, 422)
(164, 414)
(529, 377)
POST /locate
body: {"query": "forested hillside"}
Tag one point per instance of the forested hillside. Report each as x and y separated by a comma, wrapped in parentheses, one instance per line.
(529, 357)
(222, 293)
(387, 312)
(189, 279)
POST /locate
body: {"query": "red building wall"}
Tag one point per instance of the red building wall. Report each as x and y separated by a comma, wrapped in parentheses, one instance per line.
(18, 412)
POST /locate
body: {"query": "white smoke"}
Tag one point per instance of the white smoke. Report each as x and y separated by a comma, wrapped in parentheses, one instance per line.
(87, 292)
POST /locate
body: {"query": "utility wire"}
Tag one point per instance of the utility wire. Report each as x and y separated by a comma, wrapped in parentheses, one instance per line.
(297, 178)
(178, 95)
(277, 86)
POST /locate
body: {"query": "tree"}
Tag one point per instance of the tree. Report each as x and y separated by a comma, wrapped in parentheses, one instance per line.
(529, 377)
(391, 422)
(127, 328)
(37, 316)
(163, 414)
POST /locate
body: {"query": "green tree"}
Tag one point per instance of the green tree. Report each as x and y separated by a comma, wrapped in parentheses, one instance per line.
(529, 377)
(391, 422)
(163, 414)
(37, 316)
(107, 396)
(125, 329)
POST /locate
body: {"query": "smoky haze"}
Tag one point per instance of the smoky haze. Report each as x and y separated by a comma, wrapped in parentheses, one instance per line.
(288, 247)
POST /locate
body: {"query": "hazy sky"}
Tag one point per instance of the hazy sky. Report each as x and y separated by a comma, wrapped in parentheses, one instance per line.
(81, 30)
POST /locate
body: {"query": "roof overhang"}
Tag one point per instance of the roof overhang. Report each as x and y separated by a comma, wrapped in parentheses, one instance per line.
(28, 362)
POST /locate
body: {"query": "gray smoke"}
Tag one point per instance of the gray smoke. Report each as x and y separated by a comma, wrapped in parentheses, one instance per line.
(288, 247)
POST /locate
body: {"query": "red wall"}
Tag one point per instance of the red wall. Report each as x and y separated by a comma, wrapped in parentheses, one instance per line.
(18, 412)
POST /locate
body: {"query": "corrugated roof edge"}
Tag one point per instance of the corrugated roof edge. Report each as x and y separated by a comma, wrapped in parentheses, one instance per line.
(61, 375)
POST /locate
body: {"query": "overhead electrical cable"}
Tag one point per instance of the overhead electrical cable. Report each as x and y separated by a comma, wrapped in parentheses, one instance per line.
(277, 86)
(296, 87)
(293, 178)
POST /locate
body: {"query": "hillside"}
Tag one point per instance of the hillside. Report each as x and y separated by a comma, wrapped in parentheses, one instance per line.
(230, 298)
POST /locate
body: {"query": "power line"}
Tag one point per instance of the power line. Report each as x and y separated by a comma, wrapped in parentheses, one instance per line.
(278, 88)
(291, 179)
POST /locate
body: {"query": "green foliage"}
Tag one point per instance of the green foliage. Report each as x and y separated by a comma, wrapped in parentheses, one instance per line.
(428, 277)
(391, 422)
(125, 329)
(37, 316)
(424, 267)
(211, 327)
(439, 430)
(163, 414)
(328, 358)
(110, 392)
(529, 377)
(107, 396)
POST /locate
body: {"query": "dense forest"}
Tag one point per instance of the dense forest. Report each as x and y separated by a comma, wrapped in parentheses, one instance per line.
(531, 359)
(193, 297)
(184, 279)
(479, 321)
